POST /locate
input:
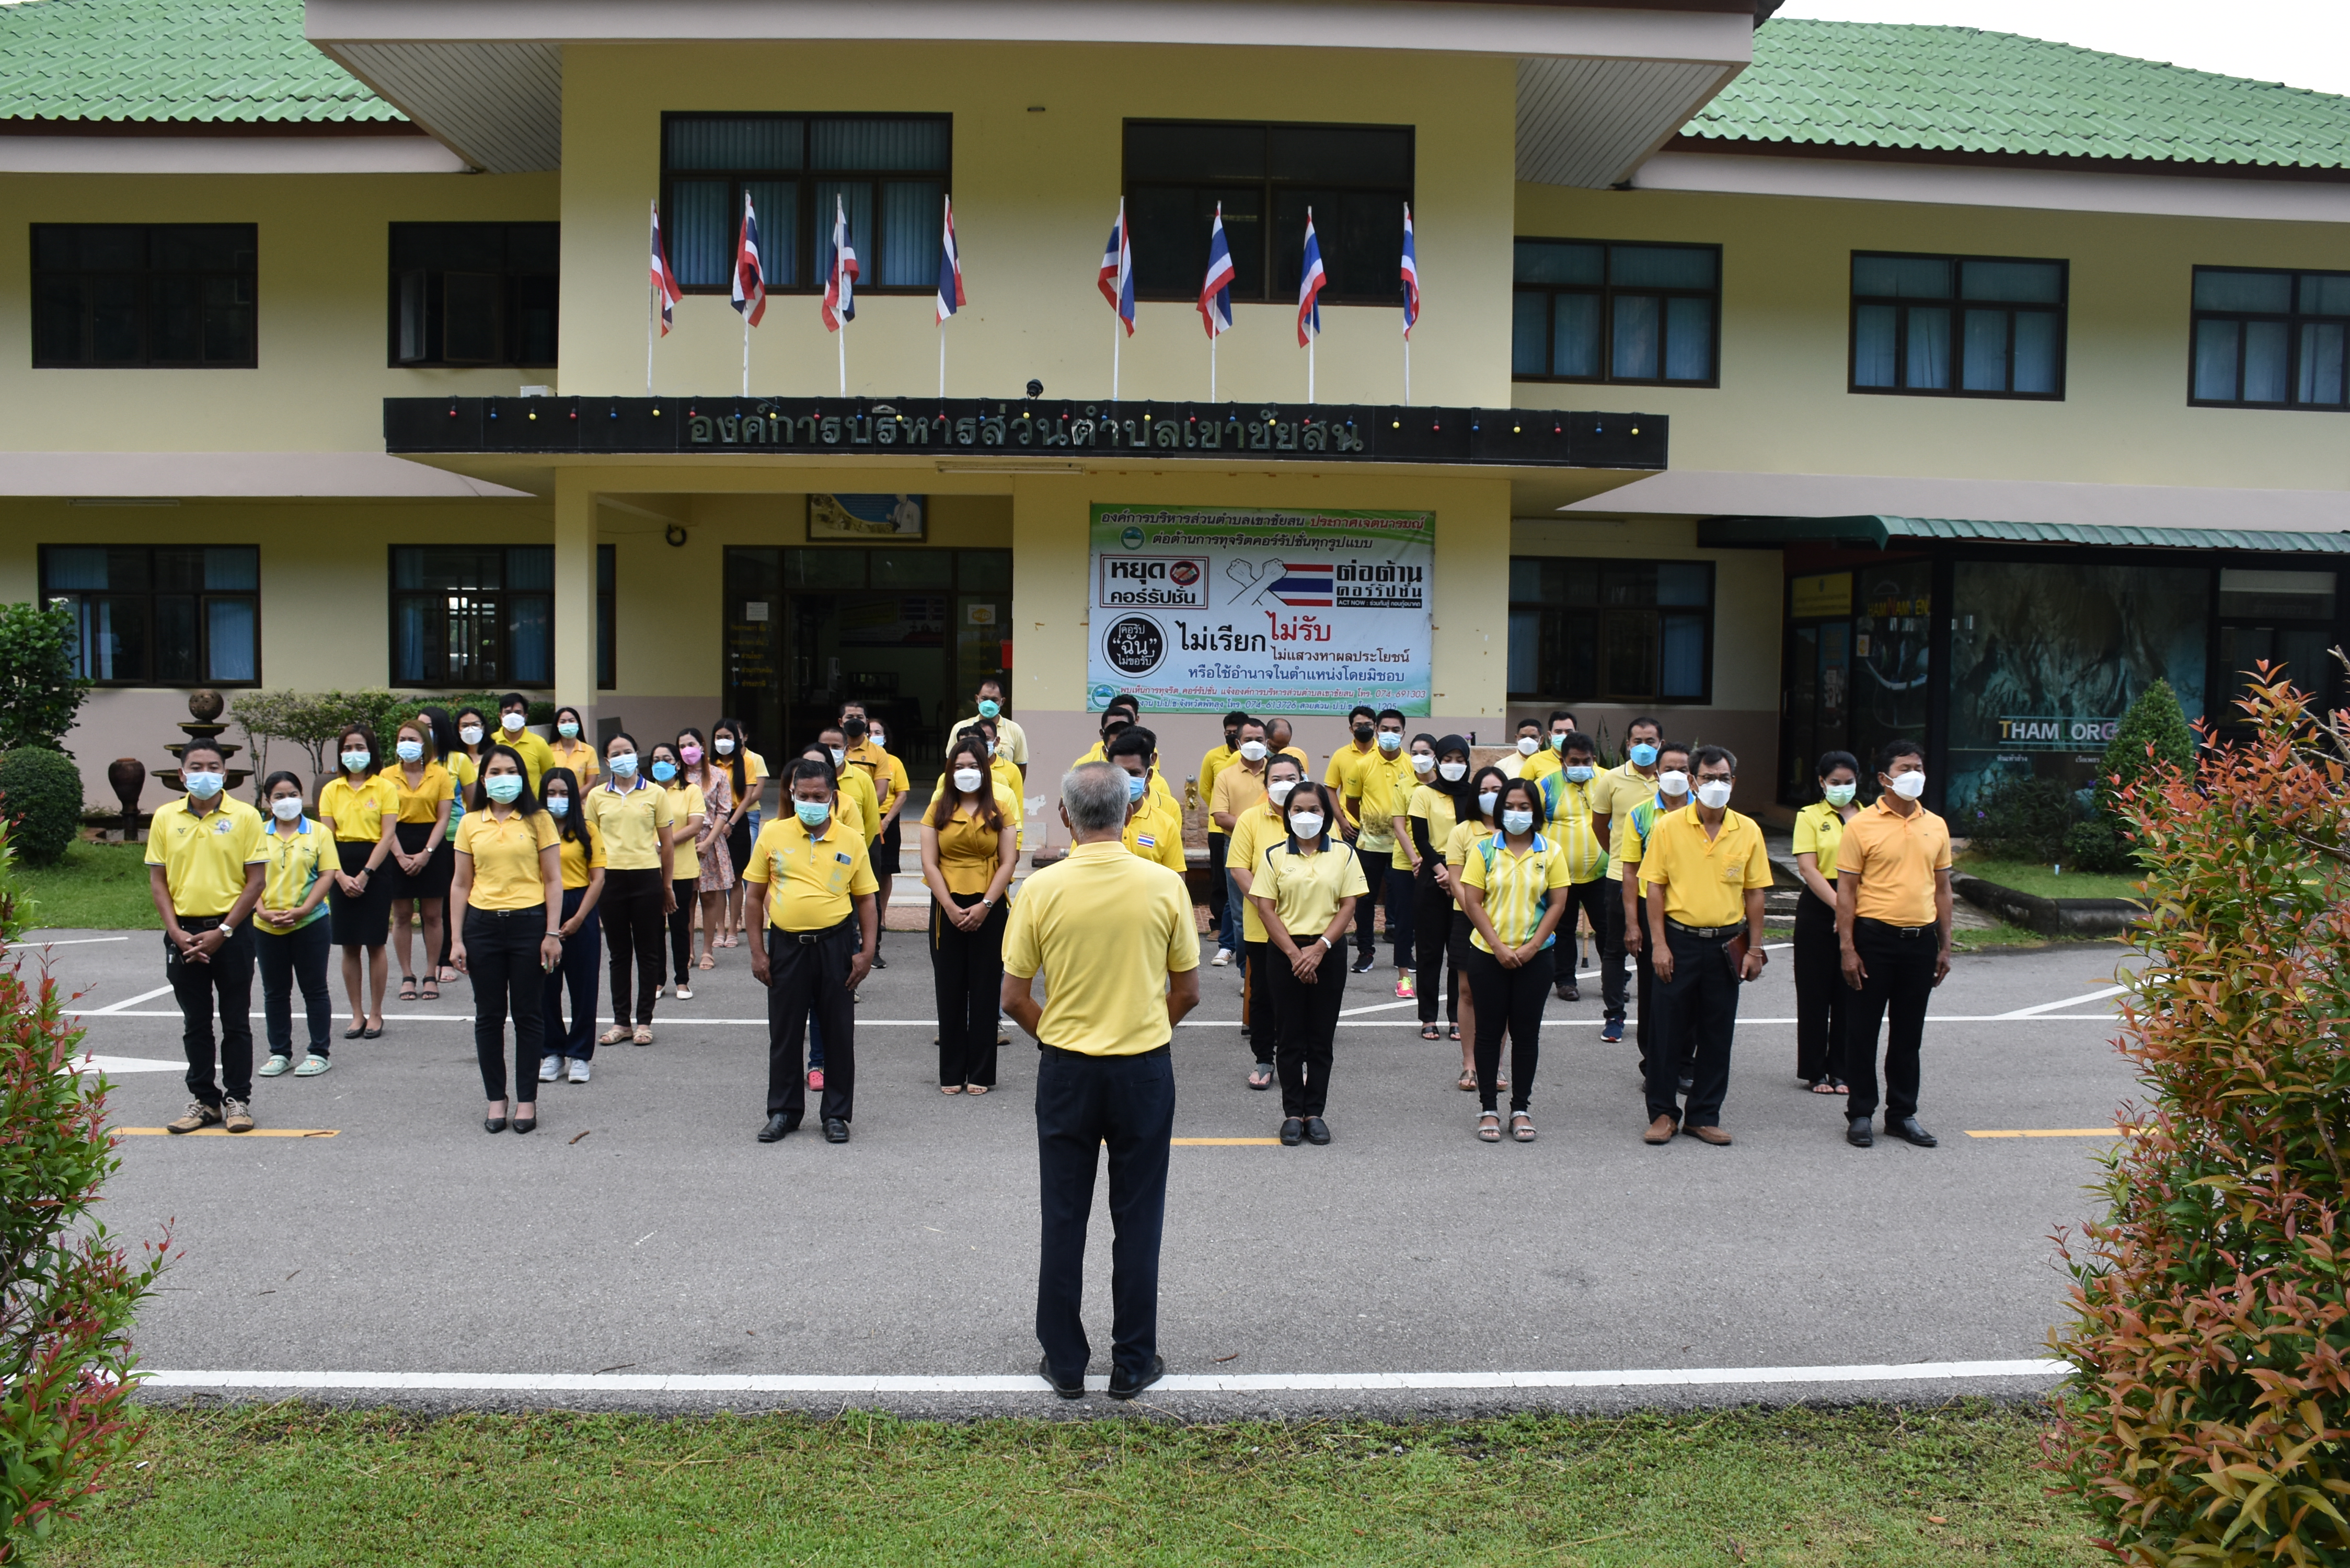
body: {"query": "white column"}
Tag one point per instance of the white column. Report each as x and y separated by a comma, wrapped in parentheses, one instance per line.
(574, 594)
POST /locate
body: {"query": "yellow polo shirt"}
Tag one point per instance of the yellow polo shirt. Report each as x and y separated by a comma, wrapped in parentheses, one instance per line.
(1107, 928)
(1306, 889)
(1464, 837)
(1705, 879)
(1433, 806)
(421, 801)
(1348, 764)
(1895, 857)
(968, 850)
(536, 758)
(203, 857)
(1007, 782)
(1238, 787)
(1388, 781)
(1819, 829)
(1614, 794)
(579, 859)
(1542, 764)
(1254, 831)
(505, 857)
(1215, 762)
(578, 756)
(856, 787)
(885, 773)
(1517, 884)
(296, 861)
(631, 823)
(357, 810)
(1156, 831)
(1406, 780)
(1570, 825)
(810, 881)
(685, 804)
(1010, 740)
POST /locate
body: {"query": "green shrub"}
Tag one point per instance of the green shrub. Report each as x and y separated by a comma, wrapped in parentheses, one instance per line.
(40, 794)
(2020, 817)
(39, 692)
(2152, 736)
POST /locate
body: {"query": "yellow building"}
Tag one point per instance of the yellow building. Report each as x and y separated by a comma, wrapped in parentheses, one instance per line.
(339, 368)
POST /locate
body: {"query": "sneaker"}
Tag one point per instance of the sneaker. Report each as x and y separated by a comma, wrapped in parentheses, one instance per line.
(1224, 956)
(579, 1069)
(684, 992)
(548, 1066)
(197, 1115)
(1403, 985)
(815, 1080)
(312, 1065)
(1613, 1031)
(1365, 963)
(236, 1116)
(275, 1066)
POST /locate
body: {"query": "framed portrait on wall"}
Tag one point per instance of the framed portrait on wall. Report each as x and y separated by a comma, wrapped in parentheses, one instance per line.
(865, 519)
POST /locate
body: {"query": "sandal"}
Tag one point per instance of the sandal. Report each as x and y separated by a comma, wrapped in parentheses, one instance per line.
(642, 1036)
(1260, 1076)
(977, 1088)
(1489, 1127)
(1468, 1080)
(1453, 1032)
(707, 961)
(950, 1088)
(1521, 1126)
(406, 988)
(1431, 1032)
(431, 989)
(446, 975)
(615, 1035)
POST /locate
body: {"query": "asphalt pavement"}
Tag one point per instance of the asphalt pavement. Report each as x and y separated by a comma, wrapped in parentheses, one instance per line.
(642, 1250)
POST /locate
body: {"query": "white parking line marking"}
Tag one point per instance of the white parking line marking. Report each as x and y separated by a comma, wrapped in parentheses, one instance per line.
(67, 941)
(133, 1001)
(467, 1018)
(2037, 1010)
(114, 1066)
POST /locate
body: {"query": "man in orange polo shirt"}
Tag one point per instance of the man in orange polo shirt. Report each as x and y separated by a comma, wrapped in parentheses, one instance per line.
(1893, 921)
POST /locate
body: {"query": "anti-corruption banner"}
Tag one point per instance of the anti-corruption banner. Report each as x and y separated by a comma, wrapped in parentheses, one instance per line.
(1201, 609)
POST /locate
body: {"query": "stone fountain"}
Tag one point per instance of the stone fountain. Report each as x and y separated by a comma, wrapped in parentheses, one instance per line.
(204, 706)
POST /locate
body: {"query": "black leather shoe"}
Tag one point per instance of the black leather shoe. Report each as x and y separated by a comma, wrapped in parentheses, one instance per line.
(494, 1124)
(1076, 1390)
(522, 1126)
(1908, 1130)
(1857, 1133)
(1316, 1130)
(777, 1127)
(834, 1130)
(1365, 963)
(1568, 992)
(1121, 1389)
(1293, 1133)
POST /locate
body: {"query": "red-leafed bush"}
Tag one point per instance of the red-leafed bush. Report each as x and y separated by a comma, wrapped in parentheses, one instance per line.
(67, 1290)
(2207, 1417)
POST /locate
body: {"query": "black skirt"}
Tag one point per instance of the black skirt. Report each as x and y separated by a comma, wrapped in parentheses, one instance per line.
(738, 846)
(433, 882)
(364, 921)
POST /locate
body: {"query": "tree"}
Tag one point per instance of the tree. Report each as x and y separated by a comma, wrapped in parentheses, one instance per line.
(39, 692)
(67, 1290)
(2152, 734)
(2206, 1418)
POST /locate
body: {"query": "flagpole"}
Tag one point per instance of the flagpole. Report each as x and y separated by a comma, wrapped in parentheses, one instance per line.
(1115, 322)
(942, 358)
(1211, 369)
(1406, 372)
(843, 335)
(1309, 372)
(746, 353)
(653, 309)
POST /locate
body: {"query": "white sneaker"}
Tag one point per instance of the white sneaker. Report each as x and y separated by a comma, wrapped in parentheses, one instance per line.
(1224, 956)
(579, 1069)
(548, 1066)
(684, 993)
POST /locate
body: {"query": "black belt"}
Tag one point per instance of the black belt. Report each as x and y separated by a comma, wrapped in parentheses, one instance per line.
(810, 938)
(1101, 1057)
(1889, 928)
(1707, 933)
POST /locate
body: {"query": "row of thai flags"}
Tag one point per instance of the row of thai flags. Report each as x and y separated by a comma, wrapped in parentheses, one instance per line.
(840, 272)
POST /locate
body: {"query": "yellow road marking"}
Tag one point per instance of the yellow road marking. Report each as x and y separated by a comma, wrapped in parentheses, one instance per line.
(223, 1132)
(2058, 1132)
(1197, 1142)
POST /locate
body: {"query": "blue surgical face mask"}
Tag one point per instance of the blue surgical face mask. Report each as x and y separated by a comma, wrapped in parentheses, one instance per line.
(356, 761)
(1135, 785)
(1579, 772)
(813, 812)
(1644, 755)
(1517, 819)
(989, 708)
(1390, 742)
(559, 805)
(204, 786)
(624, 767)
(569, 729)
(410, 751)
(504, 789)
(664, 771)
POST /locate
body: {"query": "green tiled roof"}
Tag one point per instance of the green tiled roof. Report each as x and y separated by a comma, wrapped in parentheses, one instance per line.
(1960, 89)
(187, 60)
(1734, 532)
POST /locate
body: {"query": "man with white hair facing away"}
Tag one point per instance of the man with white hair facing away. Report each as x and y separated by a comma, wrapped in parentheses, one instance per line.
(1114, 937)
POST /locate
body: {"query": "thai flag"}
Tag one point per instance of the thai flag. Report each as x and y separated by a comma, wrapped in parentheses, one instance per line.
(750, 278)
(1309, 287)
(840, 274)
(664, 281)
(951, 297)
(1305, 584)
(1116, 281)
(1411, 276)
(1216, 293)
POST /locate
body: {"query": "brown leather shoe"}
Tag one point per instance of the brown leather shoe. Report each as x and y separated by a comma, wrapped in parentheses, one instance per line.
(1713, 1135)
(1661, 1130)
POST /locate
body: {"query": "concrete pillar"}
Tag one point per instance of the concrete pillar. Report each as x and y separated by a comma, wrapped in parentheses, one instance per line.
(574, 594)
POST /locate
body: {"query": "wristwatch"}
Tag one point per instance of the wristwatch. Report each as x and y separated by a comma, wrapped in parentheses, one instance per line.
(227, 928)
(1325, 944)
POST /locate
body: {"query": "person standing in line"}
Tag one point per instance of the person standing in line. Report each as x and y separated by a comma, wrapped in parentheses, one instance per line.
(810, 961)
(361, 808)
(463, 761)
(454, 755)
(1375, 838)
(1574, 827)
(1155, 831)
(1468, 836)
(1305, 889)
(970, 847)
(1414, 768)
(569, 751)
(290, 931)
(690, 814)
(1346, 778)
(1435, 805)
(854, 784)
(1278, 736)
(509, 882)
(205, 868)
(1820, 1009)
(1010, 740)
(1514, 891)
(1632, 830)
(713, 847)
(869, 754)
(742, 822)
(514, 713)
(850, 814)
(1240, 785)
(1613, 792)
(1212, 764)
(1528, 747)
(1009, 780)
(1549, 757)
(1115, 934)
(581, 857)
(1893, 924)
(634, 821)
(1705, 870)
(417, 875)
(1254, 830)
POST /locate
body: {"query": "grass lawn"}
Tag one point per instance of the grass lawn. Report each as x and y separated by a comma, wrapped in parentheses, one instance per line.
(292, 1484)
(2027, 877)
(101, 886)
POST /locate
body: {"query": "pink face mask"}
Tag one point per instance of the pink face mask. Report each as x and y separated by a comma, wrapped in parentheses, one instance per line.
(692, 756)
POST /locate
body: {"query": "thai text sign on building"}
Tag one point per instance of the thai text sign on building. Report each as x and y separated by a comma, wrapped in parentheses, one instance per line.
(1201, 609)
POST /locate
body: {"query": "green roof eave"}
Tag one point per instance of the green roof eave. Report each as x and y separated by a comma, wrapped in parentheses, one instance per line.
(1881, 532)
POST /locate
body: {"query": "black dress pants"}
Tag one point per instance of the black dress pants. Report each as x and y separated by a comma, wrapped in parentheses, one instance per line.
(225, 977)
(1511, 1000)
(1822, 1010)
(631, 907)
(1433, 919)
(1644, 986)
(1366, 920)
(681, 929)
(502, 959)
(1263, 1003)
(1396, 889)
(1699, 1002)
(288, 960)
(1901, 979)
(1309, 1029)
(808, 974)
(1084, 1102)
(1611, 958)
(967, 976)
(1588, 898)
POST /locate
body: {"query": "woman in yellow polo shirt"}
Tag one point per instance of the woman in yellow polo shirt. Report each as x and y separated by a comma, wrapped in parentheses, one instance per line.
(970, 845)
(361, 808)
(1433, 806)
(423, 856)
(570, 751)
(689, 814)
(1513, 889)
(290, 929)
(1305, 891)
(509, 882)
(451, 748)
(1820, 988)
(582, 942)
(1468, 832)
(632, 819)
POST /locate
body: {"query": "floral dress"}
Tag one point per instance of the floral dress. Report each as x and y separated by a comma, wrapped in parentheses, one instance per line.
(717, 861)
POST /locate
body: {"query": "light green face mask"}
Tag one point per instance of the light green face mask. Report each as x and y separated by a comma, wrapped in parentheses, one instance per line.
(1840, 795)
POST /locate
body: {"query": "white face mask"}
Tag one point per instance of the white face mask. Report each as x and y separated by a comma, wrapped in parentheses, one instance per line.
(1517, 820)
(1713, 794)
(967, 779)
(1422, 763)
(1673, 782)
(470, 734)
(838, 756)
(1910, 786)
(1452, 773)
(1252, 751)
(510, 722)
(725, 745)
(410, 751)
(1838, 794)
(1306, 824)
(1528, 745)
(1486, 799)
(1279, 789)
(1390, 742)
(285, 807)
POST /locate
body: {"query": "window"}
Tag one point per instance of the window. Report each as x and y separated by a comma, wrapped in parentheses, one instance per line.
(2269, 340)
(1355, 178)
(159, 615)
(475, 293)
(1959, 327)
(159, 294)
(607, 655)
(1586, 310)
(889, 172)
(1610, 631)
(2285, 617)
(473, 615)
